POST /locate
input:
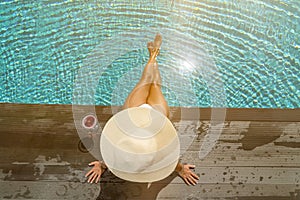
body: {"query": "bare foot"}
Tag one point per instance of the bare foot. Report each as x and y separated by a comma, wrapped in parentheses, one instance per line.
(150, 47)
(155, 46)
(157, 41)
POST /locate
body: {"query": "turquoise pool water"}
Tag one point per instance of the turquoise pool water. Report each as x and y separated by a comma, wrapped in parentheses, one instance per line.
(218, 53)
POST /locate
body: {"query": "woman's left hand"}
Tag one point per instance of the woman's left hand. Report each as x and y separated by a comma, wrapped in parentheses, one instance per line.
(189, 177)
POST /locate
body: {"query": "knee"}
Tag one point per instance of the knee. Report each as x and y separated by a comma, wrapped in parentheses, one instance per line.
(146, 79)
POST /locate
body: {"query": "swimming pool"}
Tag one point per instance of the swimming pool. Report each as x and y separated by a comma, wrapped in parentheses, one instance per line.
(246, 53)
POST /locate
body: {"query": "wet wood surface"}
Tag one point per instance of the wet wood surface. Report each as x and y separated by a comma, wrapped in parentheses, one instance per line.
(257, 155)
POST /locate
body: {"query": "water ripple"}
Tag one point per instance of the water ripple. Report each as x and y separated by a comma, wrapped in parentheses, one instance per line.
(254, 44)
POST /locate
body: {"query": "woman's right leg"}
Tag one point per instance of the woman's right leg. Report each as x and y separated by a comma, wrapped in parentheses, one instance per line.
(156, 98)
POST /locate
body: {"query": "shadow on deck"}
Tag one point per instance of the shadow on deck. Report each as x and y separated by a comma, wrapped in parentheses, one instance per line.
(256, 156)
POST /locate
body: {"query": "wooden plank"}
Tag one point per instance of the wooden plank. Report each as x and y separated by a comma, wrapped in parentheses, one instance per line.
(43, 168)
(271, 150)
(77, 190)
(231, 191)
(47, 190)
(256, 155)
(243, 143)
(247, 175)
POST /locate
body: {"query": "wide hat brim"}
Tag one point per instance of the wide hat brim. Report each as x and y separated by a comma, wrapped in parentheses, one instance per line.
(140, 144)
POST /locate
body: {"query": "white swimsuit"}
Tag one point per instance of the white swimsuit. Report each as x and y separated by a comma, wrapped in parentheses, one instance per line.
(145, 105)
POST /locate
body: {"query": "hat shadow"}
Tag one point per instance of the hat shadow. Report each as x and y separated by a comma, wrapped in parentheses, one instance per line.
(114, 188)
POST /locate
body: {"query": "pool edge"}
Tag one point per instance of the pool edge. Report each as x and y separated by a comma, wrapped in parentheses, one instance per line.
(232, 114)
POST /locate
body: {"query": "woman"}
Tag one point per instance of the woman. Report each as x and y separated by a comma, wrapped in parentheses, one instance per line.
(147, 93)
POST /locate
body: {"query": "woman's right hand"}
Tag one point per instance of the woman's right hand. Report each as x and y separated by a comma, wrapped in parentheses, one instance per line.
(96, 172)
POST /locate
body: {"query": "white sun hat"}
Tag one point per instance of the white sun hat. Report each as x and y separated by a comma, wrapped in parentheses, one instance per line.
(140, 144)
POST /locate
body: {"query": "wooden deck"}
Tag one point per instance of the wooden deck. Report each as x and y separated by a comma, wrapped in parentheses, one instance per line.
(257, 156)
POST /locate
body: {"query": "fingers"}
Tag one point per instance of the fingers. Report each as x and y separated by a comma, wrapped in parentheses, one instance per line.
(94, 163)
(191, 166)
(94, 177)
(195, 176)
(89, 173)
(186, 181)
(95, 173)
(191, 180)
(90, 178)
(98, 179)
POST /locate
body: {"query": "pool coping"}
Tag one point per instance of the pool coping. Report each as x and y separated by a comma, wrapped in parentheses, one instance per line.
(190, 113)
